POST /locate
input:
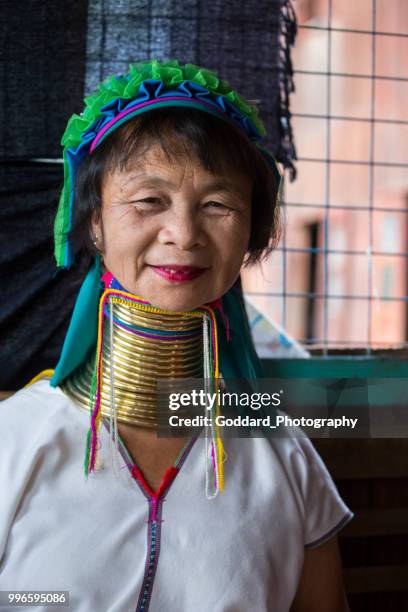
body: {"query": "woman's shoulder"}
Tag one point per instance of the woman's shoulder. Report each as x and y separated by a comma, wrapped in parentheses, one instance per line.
(33, 409)
(292, 454)
(40, 426)
(294, 463)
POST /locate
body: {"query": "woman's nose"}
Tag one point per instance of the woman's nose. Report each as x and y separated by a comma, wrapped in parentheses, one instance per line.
(182, 228)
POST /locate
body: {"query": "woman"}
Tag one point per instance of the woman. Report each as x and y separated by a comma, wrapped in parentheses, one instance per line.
(169, 190)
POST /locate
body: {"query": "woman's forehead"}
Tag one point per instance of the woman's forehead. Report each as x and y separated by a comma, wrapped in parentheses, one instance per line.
(155, 167)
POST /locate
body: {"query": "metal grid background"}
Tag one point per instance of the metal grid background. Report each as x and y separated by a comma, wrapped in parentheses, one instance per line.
(367, 295)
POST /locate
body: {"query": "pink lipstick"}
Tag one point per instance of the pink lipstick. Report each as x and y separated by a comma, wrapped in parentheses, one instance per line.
(178, 274)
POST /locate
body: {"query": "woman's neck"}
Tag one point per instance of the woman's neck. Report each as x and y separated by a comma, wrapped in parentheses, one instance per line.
(139, 347)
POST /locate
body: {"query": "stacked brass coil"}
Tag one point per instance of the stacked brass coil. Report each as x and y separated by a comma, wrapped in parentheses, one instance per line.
(139, 362)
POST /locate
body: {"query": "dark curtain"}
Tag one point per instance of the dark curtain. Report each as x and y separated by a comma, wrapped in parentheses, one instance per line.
(42, 79)
(54, 52)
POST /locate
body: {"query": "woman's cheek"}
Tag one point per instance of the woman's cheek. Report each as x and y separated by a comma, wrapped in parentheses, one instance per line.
(126, 235)
(233, 237)
(231, 250)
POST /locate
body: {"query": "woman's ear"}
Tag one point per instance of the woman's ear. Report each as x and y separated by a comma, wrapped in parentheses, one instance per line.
(97, 230)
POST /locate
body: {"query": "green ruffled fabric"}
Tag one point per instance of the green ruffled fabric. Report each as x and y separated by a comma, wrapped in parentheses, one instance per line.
(171, 73)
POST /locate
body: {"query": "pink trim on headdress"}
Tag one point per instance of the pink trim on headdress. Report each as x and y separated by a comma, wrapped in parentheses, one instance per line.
(148, 103)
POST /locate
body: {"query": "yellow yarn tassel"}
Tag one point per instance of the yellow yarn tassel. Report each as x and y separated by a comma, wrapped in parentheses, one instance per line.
(43, 374)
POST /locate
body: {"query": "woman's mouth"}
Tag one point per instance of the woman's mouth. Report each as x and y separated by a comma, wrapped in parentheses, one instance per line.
(178, 274)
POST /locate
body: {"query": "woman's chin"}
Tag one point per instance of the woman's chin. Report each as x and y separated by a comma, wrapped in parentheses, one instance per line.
(177, 305)
(181, 300)
(183, 296)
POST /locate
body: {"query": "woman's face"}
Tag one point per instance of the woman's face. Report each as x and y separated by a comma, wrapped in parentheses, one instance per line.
(173, 233)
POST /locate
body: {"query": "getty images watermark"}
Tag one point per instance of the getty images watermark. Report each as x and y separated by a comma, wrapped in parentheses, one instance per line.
(316, 407)
(197, 405)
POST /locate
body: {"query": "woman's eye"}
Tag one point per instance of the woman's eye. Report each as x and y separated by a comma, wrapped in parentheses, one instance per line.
(213, 205)
(149, 200)
(147, 203)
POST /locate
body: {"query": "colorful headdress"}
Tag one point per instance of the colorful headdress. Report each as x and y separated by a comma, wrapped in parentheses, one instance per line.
(145, 87)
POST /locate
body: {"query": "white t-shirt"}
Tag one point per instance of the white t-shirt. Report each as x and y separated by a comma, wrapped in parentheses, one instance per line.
(95, 538)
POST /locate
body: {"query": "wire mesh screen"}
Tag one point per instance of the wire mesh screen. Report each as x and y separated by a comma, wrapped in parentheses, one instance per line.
(339, 278)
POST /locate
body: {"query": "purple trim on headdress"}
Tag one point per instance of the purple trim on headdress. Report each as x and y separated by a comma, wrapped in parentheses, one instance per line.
(134, 108)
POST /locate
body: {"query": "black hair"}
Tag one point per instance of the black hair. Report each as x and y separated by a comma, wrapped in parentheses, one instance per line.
(180, 132)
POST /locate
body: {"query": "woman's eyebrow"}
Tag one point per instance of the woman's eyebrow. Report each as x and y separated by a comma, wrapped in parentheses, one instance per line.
(222, 184)
(145, 179)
